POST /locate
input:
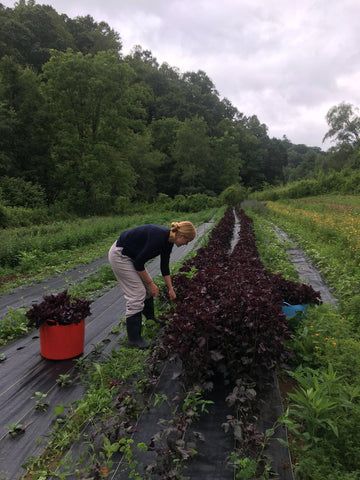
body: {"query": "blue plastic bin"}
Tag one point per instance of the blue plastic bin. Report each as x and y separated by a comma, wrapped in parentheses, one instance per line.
(291, 311)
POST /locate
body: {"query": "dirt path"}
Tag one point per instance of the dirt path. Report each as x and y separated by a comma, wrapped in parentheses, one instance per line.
(25, 372)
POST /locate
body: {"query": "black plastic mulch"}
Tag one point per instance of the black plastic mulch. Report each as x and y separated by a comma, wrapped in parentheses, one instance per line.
(307, 272)
(24, 371)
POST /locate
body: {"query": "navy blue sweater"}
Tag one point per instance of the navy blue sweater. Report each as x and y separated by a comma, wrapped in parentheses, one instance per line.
(146, 242)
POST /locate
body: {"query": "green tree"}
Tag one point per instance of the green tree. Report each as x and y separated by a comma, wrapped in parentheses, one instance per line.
(145, 161)
(252, 140)
(192, 155)
(226, 161)
(92, 37)
(87, 93)
(88, 96)
(344, 123)
(44, 29)
(164, 133)
(26, 123)
(91, 182)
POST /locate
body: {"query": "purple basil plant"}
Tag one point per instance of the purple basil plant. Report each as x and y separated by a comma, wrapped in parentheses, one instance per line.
(59, 309)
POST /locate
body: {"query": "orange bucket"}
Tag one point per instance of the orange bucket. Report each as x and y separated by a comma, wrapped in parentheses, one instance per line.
(61, 342)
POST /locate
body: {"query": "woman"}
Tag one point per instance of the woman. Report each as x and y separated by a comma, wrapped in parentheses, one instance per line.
(127, 258)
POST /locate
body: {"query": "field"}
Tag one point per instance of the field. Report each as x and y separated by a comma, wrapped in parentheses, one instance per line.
(226, 295)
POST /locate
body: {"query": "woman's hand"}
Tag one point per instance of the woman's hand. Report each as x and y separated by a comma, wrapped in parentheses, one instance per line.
(172, 294)
(153, 289)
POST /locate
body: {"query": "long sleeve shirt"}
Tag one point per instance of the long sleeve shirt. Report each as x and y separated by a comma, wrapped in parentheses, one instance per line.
(146, 242)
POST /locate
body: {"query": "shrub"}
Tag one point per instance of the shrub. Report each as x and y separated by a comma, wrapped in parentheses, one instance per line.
(24, 217)
(17, 192)
(346, 181)
(233, 195)
(121, 205)
(193, 203)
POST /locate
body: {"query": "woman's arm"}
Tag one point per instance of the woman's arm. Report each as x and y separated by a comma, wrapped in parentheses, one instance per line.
(149, 282)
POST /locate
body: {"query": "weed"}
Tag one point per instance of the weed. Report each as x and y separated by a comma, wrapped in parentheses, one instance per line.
(245, 467)
(194, 404)
(40, 403)
(64, 380)
(16, 429)
(159, 399)
(13, 325)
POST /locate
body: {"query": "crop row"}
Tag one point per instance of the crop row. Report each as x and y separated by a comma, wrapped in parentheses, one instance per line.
(232, 306)
(229, 319)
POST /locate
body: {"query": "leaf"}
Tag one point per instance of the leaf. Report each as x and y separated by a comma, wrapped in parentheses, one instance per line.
(283, 442)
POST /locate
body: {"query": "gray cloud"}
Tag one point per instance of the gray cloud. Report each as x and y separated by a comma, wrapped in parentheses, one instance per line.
(287, 62)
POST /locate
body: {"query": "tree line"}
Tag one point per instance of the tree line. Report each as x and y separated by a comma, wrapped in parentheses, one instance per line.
(86, 126)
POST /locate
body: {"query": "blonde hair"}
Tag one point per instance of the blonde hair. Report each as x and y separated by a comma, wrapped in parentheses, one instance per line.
(185, 228)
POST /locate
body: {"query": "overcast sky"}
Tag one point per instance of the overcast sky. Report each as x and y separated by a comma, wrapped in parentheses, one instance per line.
(287, 61)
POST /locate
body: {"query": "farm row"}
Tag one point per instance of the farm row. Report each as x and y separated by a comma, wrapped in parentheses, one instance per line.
(324, 410)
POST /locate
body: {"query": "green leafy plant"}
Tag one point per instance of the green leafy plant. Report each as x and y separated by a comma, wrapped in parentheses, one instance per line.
(16, 429)
(160, 398)
(194, 404)
(40, 403)
(13, 325)
(64, 380)
(245, 467)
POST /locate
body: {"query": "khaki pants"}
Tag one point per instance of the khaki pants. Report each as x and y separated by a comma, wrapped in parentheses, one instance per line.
(129, 281)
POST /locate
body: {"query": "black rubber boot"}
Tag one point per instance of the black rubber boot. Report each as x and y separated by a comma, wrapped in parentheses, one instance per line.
(133, 328)
(149, 311)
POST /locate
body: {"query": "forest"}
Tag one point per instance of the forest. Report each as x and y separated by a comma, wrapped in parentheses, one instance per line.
(85, 128)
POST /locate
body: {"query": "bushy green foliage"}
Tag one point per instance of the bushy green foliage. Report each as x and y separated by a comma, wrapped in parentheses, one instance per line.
(345, 181)
(25, 217)
(17, 192)
(234, 195)
(13, 325)
(193, 203)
